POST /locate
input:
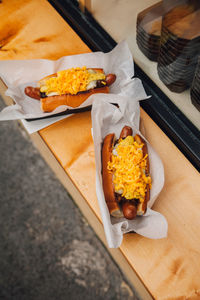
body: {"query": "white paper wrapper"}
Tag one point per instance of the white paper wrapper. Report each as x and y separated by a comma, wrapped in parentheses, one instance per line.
(17, 74)
(107, 118)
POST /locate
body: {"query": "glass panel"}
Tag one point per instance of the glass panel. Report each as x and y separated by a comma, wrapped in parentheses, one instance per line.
(164, 38)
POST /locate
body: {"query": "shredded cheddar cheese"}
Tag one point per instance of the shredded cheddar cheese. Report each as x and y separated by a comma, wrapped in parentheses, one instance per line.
(128, 167)
(71, 81)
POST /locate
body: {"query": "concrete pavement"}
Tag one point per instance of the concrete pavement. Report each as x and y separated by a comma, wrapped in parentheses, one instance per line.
(47, 249)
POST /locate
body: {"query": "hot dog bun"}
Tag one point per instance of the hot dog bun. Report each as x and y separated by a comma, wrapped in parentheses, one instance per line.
(130, 199)
(108, 185)
(70, 87)
(142, 206)
(48, 104)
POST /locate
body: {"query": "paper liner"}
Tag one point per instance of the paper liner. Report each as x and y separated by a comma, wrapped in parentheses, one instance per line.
(17, 74)
(107, 118)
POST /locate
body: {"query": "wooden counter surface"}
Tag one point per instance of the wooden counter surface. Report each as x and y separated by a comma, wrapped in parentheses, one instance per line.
(160, 269)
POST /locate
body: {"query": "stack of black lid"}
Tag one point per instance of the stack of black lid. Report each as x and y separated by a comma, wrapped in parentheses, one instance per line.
(149, 30)
(179, 47)
(195, 89)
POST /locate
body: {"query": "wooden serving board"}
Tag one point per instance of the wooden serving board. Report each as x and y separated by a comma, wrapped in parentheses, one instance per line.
(160, 269)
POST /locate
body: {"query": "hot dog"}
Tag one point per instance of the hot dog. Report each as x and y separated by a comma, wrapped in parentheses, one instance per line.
(125, 174)
(70, 87)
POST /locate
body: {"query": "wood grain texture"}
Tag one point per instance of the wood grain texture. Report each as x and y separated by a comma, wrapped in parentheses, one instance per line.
(169, 268)
(33, 29)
